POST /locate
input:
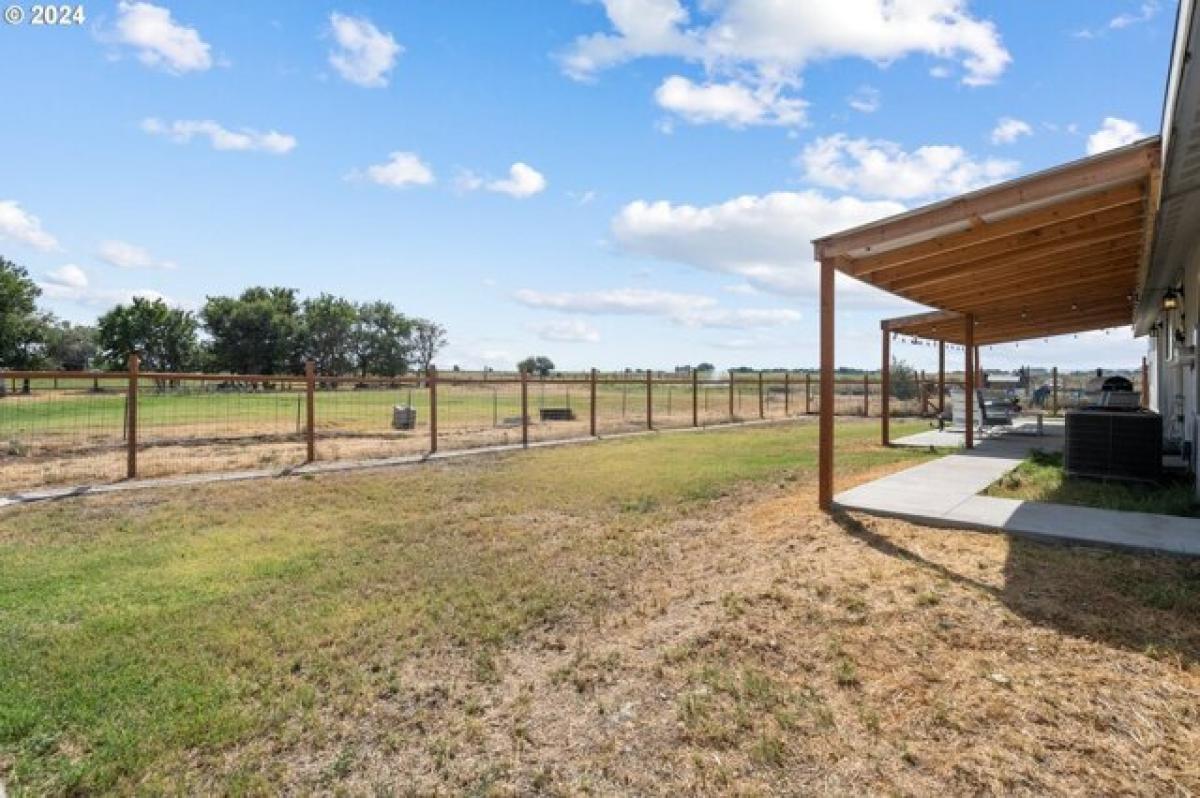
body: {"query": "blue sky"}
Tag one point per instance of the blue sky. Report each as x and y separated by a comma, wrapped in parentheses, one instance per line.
(621, 183)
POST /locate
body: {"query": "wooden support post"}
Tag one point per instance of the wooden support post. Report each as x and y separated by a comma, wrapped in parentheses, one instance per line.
(885, 386)
(969, 378)
(592, 405)
(941, 378)
(433, 408)
(825, 443)
(1054, 391)
(131, 423)
(524, 408)
(695, 398)
(731, 387)
(1145, 382)
(807, 393)
(866, 395)
(787, 393)
(762, 413)
(310, 401)
(649, 399)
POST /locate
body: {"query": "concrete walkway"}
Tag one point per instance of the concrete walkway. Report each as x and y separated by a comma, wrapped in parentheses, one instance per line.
(945, 492)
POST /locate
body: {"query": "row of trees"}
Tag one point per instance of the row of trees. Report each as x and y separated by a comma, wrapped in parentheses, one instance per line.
(261, 331)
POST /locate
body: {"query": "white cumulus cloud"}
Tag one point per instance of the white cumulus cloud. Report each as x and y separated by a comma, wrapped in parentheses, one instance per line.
(1114, 132)
(757, 45)
(399, 170)
(71, 283)
(879, 168)
(17, 224)
(865, 99)
(764, 240)
(522, 181)
(1008, 130)
(365, 55)
(567, 331)
(734, 104)
(124, 255)
(690, 310)
(159, 40)
(1146, 11)
(221, 138)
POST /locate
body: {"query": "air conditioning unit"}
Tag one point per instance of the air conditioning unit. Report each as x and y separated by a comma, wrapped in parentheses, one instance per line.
(1113, 444)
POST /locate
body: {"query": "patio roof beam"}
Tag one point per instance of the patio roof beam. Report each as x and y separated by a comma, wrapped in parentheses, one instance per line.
(1110, 168)
(1029, 263)
(998, 331)
(1127, 231)
(986, 287)
(1051, 223)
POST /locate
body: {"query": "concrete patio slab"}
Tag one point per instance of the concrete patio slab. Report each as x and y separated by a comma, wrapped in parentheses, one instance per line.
(945, 492)
(1024, 429)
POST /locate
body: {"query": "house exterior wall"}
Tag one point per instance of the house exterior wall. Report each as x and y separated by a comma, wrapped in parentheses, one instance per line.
(1174, 378)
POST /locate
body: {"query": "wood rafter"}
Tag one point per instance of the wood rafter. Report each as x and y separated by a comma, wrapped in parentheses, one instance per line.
(1126, 230)
(1080, 215)
(1029, 264)
(1120, 276)
(1090, 174)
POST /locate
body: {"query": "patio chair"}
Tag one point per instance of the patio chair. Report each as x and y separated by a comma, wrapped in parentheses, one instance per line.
(996, 411)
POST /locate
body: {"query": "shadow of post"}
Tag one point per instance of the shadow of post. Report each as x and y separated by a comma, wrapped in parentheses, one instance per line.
(1148, 604)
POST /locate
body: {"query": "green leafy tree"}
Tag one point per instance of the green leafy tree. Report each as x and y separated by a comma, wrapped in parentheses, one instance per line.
(904, 380)
(71, 347)
(258, 332)
(427, 339)
(536, 364)
(22, 328)
(705, 367)
(382, 340)
(329, 339)
(163, 336)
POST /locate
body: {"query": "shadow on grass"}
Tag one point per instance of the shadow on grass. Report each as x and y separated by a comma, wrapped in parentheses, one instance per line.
(1144, 603)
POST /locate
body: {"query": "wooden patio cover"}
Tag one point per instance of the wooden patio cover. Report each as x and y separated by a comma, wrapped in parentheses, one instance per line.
(1057, 252)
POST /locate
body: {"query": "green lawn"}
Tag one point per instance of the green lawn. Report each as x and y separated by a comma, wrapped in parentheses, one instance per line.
(1041, 478)
(71, 412)
(144, 634)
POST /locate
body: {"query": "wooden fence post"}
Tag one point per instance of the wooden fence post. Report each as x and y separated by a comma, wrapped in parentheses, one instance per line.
(695, 398)
(131, 424)
(731, 388)
(761, 412)
(1054, 391)
(807, 393)
(433, 432)
(1145, 383)
(592, 405)
(649, 399)
(524, 408)
(787, 393)
(310, 395)
(866, 396)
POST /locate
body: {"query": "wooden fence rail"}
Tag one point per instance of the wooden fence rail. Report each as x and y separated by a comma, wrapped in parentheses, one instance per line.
(679, 399)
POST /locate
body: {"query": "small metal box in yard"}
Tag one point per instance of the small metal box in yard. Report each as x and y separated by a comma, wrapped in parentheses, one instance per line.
(404, 417)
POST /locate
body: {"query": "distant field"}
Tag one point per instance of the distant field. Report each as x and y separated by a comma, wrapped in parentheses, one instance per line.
(654, 616)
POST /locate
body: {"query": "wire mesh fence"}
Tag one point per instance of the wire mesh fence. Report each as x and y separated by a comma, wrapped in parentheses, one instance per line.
(64, 428)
